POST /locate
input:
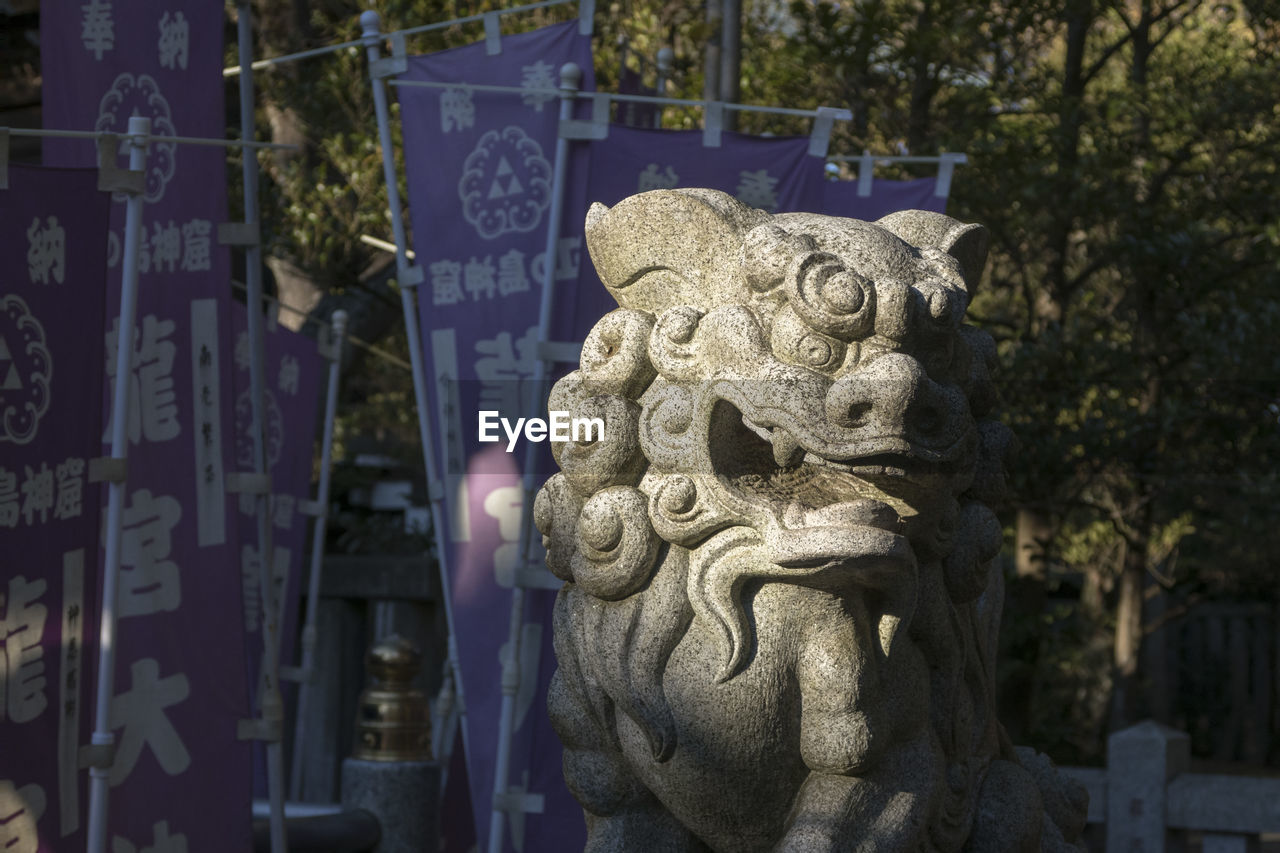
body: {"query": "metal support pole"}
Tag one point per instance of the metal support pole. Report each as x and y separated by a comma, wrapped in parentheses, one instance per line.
(730, 58)
(666, 62)
(570, 80)
(338, 328)
(445, 714)
(103, 739)
(369, 23)
(270, 703)
(711, 66)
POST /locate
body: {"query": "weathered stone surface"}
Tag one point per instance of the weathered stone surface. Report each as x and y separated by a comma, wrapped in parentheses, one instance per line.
(777, 628)
(403, 795)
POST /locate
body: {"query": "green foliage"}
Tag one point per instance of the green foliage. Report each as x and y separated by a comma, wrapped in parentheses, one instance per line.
(1124, 157)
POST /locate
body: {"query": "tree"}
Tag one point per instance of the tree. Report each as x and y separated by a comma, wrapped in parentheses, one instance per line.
(1123, 155)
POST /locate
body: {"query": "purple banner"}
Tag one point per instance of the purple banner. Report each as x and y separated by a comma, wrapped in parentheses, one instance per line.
(180, 775)
(53, 225)
(772, 173)
(840, 198)
(291, 389)
(480, 179)
(636, 113)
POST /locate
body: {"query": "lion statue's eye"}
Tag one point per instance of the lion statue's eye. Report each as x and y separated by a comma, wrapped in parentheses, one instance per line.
(833, 298)
(815, 352)
(844, 292)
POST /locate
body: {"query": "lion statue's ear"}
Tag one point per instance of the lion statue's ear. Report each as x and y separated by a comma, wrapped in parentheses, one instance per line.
(664, 248)
(925, 228)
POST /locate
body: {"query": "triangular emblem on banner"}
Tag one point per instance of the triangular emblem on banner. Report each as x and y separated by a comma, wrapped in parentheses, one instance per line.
(11, 381)
(513, 186)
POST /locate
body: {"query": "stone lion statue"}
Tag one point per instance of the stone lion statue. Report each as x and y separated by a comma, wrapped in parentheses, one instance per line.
(778, 626)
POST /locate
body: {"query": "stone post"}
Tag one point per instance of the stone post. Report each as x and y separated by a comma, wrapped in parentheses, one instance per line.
(1140, 762)
(391, 773)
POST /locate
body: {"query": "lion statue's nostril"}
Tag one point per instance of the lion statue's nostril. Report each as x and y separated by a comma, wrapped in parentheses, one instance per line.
(858, 413)
(928, 419)
(849, 403)
(878, 394)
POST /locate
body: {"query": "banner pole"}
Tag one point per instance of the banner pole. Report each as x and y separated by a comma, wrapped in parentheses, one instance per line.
(570, 80)
(102, 751)
(338, 329)
(666, 62)
(407, 278)
(270, 702)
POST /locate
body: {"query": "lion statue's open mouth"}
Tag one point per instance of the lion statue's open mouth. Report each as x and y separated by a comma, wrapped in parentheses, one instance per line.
(777, 626)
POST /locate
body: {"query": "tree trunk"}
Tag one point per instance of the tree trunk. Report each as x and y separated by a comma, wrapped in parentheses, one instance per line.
(1034, 530)
(923, 87)
(1128, 640)
(1050, 311)
(1025, 598)
(1155, 662)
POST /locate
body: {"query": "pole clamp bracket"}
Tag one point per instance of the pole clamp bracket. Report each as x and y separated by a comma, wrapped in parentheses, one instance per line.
(296, 674)
(388, 66)
(410, 275)
(108, 469)
(111, 178)
(99, 756)
(713, 123)
(327, 344)
(820, 136)
(248, 483)
(314, 509)
(238, 234)
(396, 63)
(259, 729)
(519, 801)
(595, 128)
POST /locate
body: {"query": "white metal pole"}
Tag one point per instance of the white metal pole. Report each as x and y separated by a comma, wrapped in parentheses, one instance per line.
(338, 328)
(270, 703)
(444, 722)
(369, 23)
(666, 62)
(570, 80)
(100, 773)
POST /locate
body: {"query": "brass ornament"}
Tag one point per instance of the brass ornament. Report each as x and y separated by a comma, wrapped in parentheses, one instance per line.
(393, 719)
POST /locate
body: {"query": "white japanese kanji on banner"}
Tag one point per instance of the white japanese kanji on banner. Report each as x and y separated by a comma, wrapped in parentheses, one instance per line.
(181, 778)
(480, 180)
(53, 224)
(840, 198)
(291, 391)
